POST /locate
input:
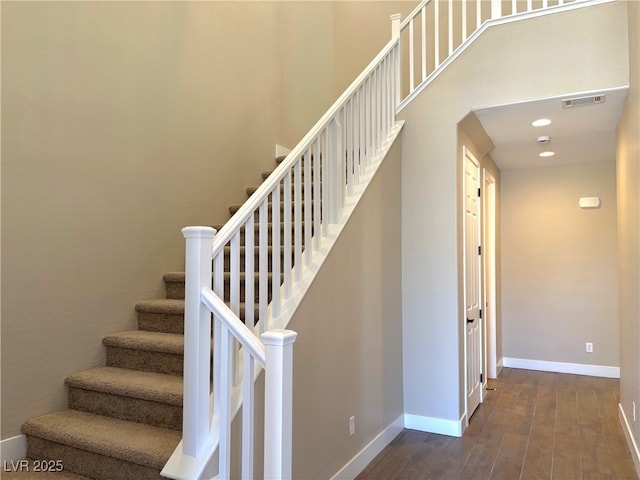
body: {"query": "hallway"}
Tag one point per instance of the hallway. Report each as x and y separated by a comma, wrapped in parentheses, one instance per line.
(535, 425)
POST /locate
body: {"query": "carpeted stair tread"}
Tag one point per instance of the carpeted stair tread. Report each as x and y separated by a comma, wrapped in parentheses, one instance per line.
(155, 387)
(129, 441)
(170, 306)
(148, 341)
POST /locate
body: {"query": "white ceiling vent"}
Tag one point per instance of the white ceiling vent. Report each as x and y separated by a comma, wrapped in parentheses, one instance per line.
(580, 101)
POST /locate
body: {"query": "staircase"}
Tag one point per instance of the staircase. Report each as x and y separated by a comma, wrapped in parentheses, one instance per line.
(124, 419)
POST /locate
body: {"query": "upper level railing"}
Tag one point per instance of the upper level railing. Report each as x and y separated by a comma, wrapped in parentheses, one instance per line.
(437, 31)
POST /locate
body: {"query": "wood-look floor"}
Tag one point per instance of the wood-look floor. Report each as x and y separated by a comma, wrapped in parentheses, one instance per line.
(535, 425)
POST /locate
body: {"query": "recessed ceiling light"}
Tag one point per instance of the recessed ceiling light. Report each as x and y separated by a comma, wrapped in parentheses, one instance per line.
(541, 122)
(546, 154)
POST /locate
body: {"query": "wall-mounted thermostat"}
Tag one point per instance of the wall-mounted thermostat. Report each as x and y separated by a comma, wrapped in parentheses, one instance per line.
(590, 202)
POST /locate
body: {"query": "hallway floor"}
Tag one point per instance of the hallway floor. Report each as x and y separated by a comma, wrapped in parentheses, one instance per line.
(535, 425)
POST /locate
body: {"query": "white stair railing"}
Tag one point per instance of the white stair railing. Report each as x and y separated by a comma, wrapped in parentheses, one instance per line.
(205, 429)
(437, 31)
(261, 263)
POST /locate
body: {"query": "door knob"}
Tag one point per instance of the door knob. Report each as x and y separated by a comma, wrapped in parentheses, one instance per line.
(470, 320)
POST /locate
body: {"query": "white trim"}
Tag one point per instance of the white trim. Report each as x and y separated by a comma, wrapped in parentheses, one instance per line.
(452, 428)
(358, 463)
(561, 367)
(499, 366)
(633, 446)
(14, 448)
(282, 151)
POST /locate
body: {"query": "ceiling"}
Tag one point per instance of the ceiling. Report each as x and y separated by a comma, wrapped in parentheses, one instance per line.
(579, 134)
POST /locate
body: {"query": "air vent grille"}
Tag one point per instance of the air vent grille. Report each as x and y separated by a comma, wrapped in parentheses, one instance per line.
(580, 101)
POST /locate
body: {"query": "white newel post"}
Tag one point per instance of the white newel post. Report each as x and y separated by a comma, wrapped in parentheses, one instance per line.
(197, 339)
(278, 403)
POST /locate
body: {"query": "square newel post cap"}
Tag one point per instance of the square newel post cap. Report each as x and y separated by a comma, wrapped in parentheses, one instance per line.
(198, 232)
(279, 337)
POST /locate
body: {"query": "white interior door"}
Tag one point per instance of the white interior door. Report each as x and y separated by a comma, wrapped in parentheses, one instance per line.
(472, 272)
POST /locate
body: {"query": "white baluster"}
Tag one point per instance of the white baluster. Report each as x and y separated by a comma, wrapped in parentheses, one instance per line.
(411, 58)
(496, 8)
(249, 273)
(275, 252)
(225, 387)
(286, 247)
(316, 193)
(297, 220)
(248, 415)
(197, 339)
(436, 33)
(423, 14)
(307, 206)
(278, 403)
(263, 265)
(334, 177)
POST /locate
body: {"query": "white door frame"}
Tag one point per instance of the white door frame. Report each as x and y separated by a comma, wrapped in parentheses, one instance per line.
(489, 266)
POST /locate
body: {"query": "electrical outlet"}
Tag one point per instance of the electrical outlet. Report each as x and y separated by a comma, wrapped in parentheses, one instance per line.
(589, 347)
(352, 425)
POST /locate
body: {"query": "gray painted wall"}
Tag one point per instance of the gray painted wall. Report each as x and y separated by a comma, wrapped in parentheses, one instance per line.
(628, 183)
(559, 265)
(510, 63)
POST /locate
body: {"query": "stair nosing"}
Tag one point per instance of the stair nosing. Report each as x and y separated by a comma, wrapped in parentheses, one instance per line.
(155, 387)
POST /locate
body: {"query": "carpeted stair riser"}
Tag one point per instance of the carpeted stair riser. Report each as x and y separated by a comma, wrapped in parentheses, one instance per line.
(161, 316)
(157, 352)
(256, 233)
(159, 362)
(136, 396)
(251, 190)
(153, 320)
(234, 208)
(126, 408)
(90, 464)
(174, 285)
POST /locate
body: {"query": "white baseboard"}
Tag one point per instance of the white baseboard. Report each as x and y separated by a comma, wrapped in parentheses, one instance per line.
(500, 365)
(631, 441)
(560, 367)
(358, 463)
(14, 448)
(452, 428)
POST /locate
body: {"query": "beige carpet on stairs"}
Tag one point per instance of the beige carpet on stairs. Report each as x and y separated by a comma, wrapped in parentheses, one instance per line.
(124, 420)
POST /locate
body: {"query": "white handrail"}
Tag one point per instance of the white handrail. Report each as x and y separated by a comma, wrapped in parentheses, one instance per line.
(252, 204)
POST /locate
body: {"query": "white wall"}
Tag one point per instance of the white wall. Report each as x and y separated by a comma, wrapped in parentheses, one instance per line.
(559, 265)
(510, 63)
